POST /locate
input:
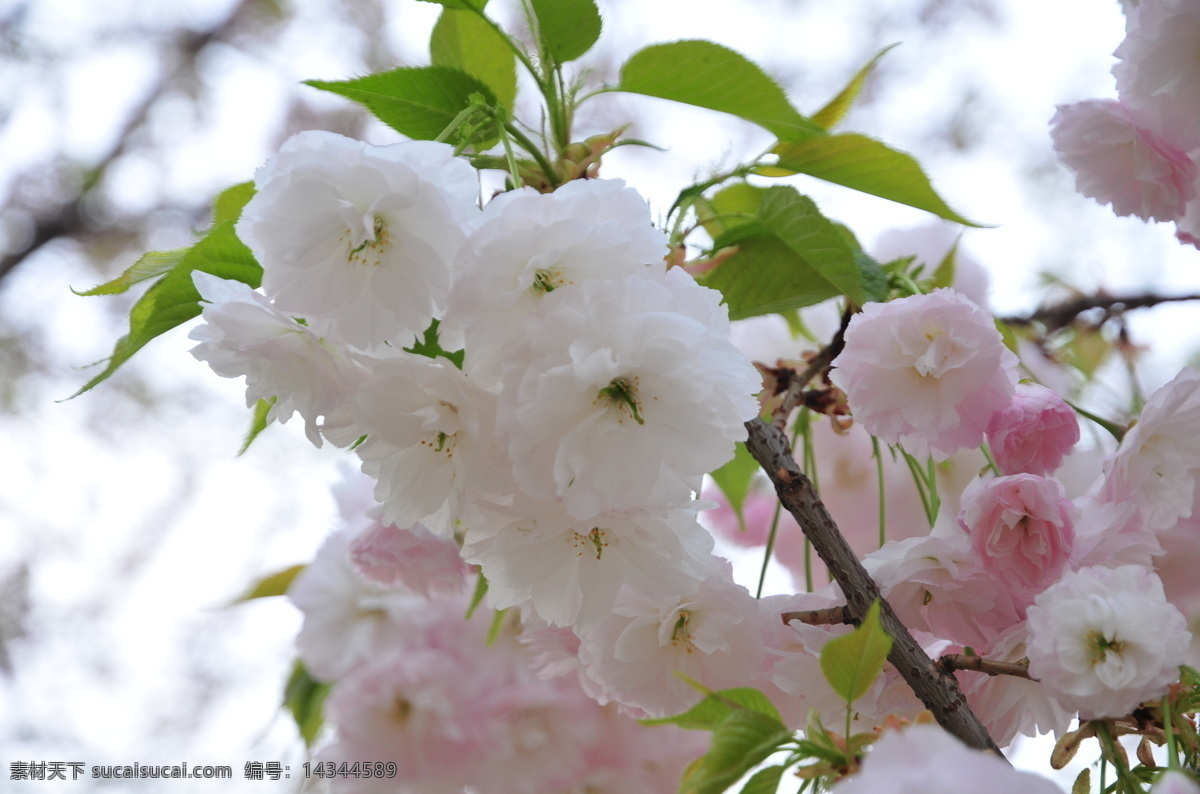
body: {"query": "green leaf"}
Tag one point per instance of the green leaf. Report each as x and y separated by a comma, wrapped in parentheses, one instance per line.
(417, 101)
(734, 479)
(864, 164)
(463, 40)
(791, 256)
(460, 5)
(851, 662)
(765, 781)
(1083, 783)
(707, 75)
(304, 697)
(716, 706)
(729, 207)
(173, 299)
(874, 277)
(228, 205)
(151, 264)
(567, 28)
(741, 742)
(943, 276)
(258, 423)
(276, 584)
(836, 109)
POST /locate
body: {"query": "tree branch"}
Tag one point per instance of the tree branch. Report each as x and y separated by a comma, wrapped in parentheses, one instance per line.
(1059, 316)
(937, 689)
(961, 661)
(831, 616)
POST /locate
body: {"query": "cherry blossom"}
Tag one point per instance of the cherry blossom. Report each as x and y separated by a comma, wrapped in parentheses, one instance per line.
(926, 372)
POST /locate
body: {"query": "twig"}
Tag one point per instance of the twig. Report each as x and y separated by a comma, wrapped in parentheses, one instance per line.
(794, 395)
(962, 661)
(833, 616)
(1059, 316)
(935, 688)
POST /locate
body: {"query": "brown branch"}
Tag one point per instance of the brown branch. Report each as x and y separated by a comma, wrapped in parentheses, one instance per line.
(1061, 315)
(794, 395)
(935, 688)
(832, 616)
(962, 661)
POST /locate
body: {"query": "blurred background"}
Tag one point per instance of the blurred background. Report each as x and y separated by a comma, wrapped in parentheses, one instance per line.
(128, 523)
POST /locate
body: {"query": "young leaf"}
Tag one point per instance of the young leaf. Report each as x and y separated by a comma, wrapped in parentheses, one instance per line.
(258, 423)
(304, 696)
(836, 109)
(851, 662)
(741, 742)
(417, 101)
(151, 264)
(460, 5)
(229, 203)
(864, 164)
(707, 75)
(276, 584)
(790, 257)
(463, 40)
(729, 207)
(567, 28)
(765, 781)
(173, 299)
(734, 479)
(716, 706)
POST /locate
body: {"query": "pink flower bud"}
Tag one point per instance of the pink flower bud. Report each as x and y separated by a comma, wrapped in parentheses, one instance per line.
(1034, 433)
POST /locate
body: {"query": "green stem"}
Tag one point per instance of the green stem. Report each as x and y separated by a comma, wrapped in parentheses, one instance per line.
(810, 469)
(1117, 431)
(462, 116)
(919, 479)
(762, 575)
(512, 45)
(534, 152)
(1169, 729)
(882, 491)
(513, 168)
(987, 453)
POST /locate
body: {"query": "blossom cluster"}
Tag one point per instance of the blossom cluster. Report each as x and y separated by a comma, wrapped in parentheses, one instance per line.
(556, 451)
(1139, 152)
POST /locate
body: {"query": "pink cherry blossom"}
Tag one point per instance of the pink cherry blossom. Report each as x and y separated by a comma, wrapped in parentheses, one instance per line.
(1158, 463)
(1022, 528)
(926, 372)
(1118, 160)
(414, 558)
(1034, 433)
(1158, 70)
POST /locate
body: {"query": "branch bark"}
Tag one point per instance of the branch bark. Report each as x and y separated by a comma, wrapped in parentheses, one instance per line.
(935, 688)
(1060, 315)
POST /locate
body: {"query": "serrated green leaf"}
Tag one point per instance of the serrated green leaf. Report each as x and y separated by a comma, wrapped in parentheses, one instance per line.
(792, 256)
(151, 264)
(874, 277)
(228, 205)
(729, 207)
(276, 584)
(864, 164)
(258, 423)
(765, 781)
(734, 480)
(304, 697)
(943, 275)
(741, 742)
(851, 662)
(461, 5)
(707, 75)
(836, 109)
(463, 40)
(173, 299)
(716, 706)
(417, 101)
(567, 28)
